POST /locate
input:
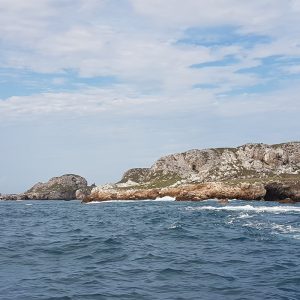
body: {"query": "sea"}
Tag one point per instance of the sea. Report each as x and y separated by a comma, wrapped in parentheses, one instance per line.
(162, 249)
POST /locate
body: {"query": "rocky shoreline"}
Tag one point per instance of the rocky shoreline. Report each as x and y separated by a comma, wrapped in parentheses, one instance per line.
(272, 191)
(188, 192)
(65, 187)
(249, 172)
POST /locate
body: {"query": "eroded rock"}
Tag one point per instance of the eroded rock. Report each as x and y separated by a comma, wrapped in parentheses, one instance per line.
(58, 188)
(246, 172)
(219, 164)
(280, 191)
(190, 192)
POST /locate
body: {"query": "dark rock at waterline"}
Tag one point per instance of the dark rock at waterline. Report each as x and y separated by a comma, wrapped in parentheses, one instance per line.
(282, 191)
(223, 201)
(287, 201)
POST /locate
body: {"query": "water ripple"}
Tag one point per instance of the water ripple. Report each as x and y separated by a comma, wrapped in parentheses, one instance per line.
(149, 250)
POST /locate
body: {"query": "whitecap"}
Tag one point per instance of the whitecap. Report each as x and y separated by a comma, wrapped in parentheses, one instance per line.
(285, 228)
(275, 228)
(119, 201)
(244, 216)
(250, 208)
(111, 201)
(174, 225)
(166, 198)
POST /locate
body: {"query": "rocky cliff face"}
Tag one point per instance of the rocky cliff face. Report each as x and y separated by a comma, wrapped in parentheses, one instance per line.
(191, 192)
(63, 187)
(219, 164)
(251, 171)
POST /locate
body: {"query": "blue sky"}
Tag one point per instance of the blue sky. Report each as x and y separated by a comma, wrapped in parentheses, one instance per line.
(97, 87)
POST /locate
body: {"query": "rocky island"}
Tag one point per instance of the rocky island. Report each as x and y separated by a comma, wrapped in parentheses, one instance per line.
(66, 187)
(249, 172)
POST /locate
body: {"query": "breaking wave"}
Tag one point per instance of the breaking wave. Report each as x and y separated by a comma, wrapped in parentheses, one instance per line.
(161, 199)
(166, 198)
(250, 208)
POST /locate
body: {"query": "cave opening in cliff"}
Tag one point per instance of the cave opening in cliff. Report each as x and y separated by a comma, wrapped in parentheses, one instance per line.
(275, 192)
(194, 168)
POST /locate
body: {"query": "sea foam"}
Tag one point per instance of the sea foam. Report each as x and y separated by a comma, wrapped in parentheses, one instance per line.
(250, 208)
(166, 198)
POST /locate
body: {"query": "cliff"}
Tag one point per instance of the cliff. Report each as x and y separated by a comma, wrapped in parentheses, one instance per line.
(270, 172)
(219, 164)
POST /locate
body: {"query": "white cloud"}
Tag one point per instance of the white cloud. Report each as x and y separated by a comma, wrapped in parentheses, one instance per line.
(256, 14)
(53, 36)
(284, 102)
(89, 101)
(295, 69)
(150, 108)
(121, 101)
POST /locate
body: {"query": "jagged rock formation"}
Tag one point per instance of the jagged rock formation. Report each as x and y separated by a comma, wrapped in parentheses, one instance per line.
(57, 188)
(219, 164)
(12, 196)
(191, 192)
(251, 171)
(63, 187)
(82, 193)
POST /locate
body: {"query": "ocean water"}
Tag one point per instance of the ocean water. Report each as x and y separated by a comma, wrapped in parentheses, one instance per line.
(149, 250)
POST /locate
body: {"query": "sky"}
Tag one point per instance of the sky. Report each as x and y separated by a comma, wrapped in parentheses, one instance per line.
(95, 87)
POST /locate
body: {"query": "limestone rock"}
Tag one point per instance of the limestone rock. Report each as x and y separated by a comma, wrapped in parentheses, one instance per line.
(247, 172)
(191, 192)
(63, 187)
(84, 192)
(138, 175)
(9, 197)
(219, 164)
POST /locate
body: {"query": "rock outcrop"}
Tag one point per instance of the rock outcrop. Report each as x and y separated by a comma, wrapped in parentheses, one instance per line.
(13, 197)
(191, 192)
(65, 187)
(82, 193)
(249, 172)
(219, 164)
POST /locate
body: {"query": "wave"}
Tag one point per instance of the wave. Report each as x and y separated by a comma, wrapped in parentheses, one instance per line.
(166, 198)
(250, 208)
(112, 201)
(275, 228)
(122, 201)
(287, 229)
(174, 225)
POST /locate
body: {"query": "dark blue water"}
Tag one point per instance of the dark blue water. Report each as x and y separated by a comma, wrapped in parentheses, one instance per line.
(149, 250)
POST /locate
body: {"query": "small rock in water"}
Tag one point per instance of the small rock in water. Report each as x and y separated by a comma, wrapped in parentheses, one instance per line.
(223, 201)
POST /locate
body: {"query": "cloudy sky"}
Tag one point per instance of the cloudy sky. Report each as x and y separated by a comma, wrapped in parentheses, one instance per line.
(95, 87)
